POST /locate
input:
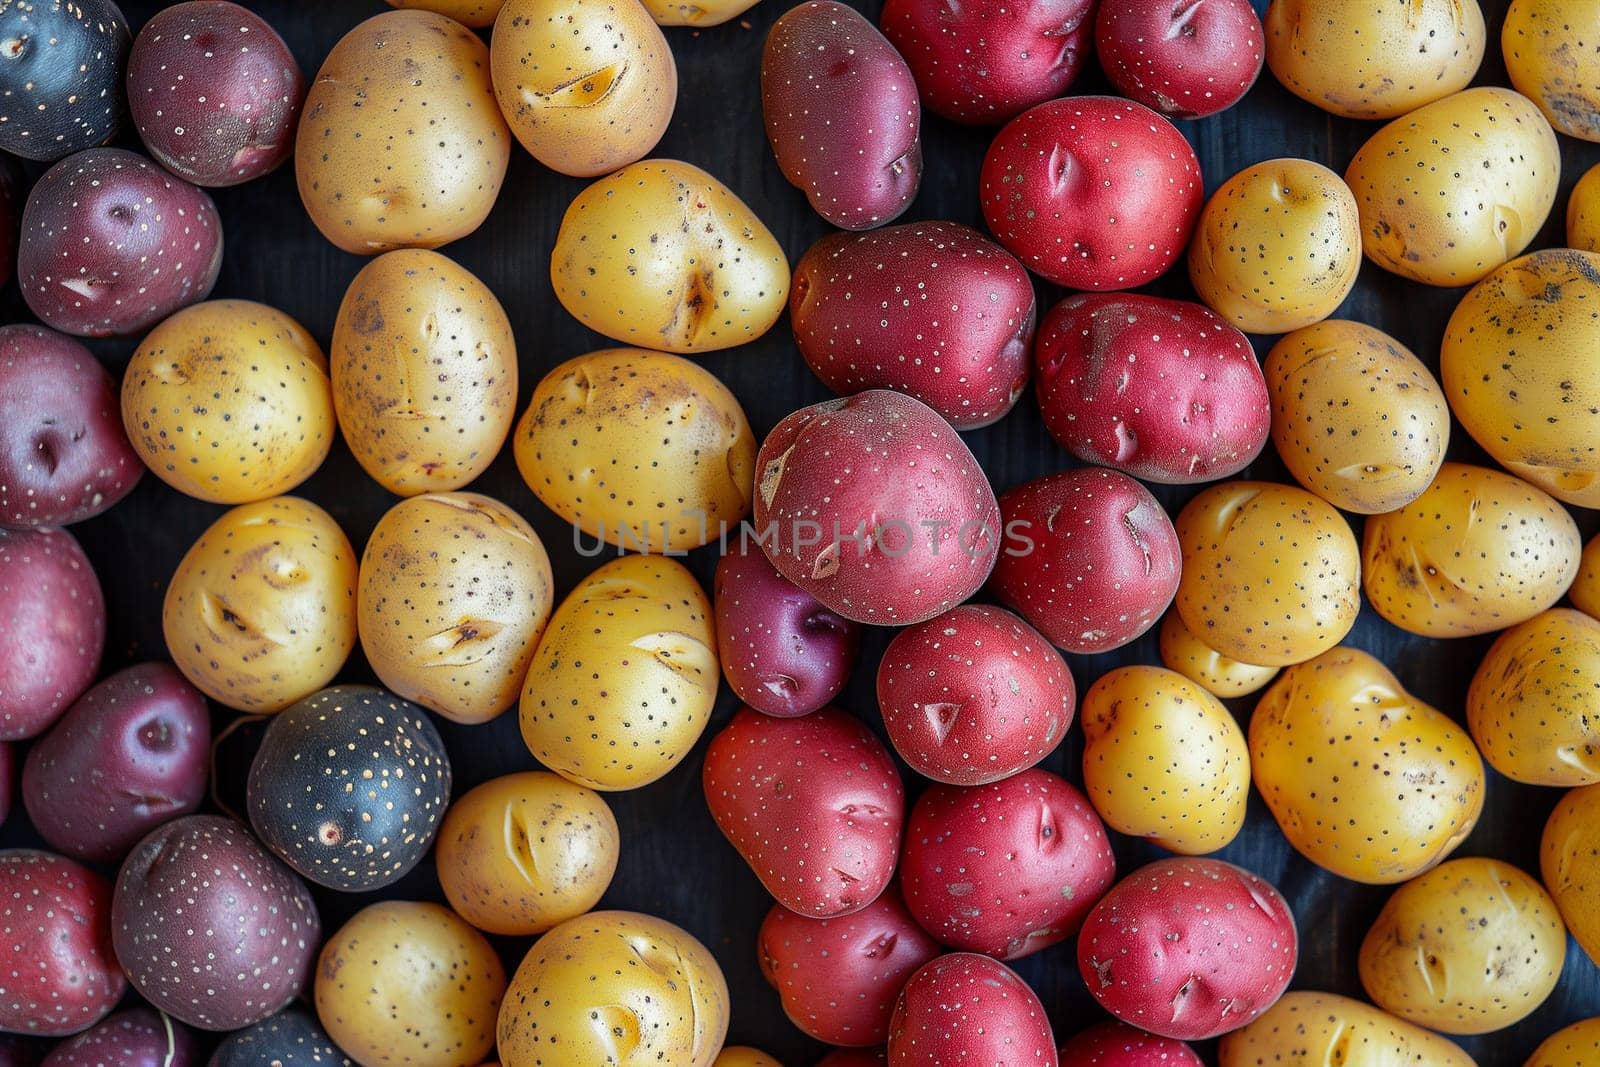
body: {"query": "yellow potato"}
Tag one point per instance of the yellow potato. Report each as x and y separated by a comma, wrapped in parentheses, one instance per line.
(1220, 676)
(1569, 862)
(1364, 779)
(410, 983)
(662, 255)
(1307, 1029)
(1271, 573)
(1163, 759)
(615, 988)
(1531, 706)
(401, 144)
(1518, 368)
(1456, 188)
(424, 372)
(642, 450)
(1356, 417)
(1374, 59)
(1277, 247)
(1477, 552)
(1575, 1046)
(1585, 590)
(455, 590)
(519, 854)
(1551, 55)
(1470, 947)
(261, 611)
(1583, 212)
(228, 401)
(478, 14)
(744, 1056)
(624, 680)
(690, 13)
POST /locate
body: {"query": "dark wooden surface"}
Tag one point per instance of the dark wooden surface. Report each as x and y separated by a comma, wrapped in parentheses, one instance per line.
(674, 863)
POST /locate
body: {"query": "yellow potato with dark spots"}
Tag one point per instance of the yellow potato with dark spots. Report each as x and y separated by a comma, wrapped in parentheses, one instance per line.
(1203, 665)
(1577, 1045)
(1308, 1029)
(1585, 589)
(744, 1056)
(1552, 52)
(691, 13)
(1569, 863)
(478, 14)
(1531, 706)
(1583, 212)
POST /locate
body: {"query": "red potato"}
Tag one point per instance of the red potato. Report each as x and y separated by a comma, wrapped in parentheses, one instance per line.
(1092, 192)
(874, 505)
(1164, 390)
(967, 1008)
(1091, 559)
(137, 1037)
(1120, 1045)
(1184, 58)
(932, 309)
(1188, 948)
(842, 114)
(814, 805)
(838, 978)
(52, 628)
(974, 695)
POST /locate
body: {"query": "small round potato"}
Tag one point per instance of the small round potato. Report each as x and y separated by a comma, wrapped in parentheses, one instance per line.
(1218, 675)
(1305, 1028)
(1577, 1045)
(424, 372)
(1477, 552)
(1583, 212)
(642, 450)
(1531, 706)
(691, 13)
(1585, 590)
(664, 256)
(228, 401)
(519, 854)
(262, 609)
(1551, 55)
(1472, 946)
(478, 14)
(1356, 417)
(455, 590)
(744, 1056)
(1277, 247)
(1569, 862)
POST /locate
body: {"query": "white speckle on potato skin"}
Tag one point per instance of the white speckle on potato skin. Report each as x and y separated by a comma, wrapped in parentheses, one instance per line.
(963, 1007)
(60, 974)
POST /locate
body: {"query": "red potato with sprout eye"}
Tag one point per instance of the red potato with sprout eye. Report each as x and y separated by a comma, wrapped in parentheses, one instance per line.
(967, 1008)
(52, 628)
(1185, 58)
(1121, 1045)
(61, 974)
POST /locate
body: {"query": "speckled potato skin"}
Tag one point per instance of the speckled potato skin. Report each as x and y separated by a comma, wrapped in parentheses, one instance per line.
(62, 974)
(1356, 417)
(1573, 1046)
(1203, 665)
(1477, 552)
(624, 679)
(1454, 189)
(424, 370)
(1364, 779)
(478, 14)
(410, 983)
(1569, 864)
(1182, 60)
(1307, 1029)
(63, 80)
(291, 1038)
(1585, 589)
(401, 144)
(1163, 759)
(454, 593)
(744, 1056)
(1550, 54)
(229, 402)
(1271, 573)
(52, 628)
(963, 1007)
(642, 450)
(664, 256)
(1114, 1044)
(1583, 212)
(524, 852)
(137, 1037)
(261, 610)
(655, 992)
(691, 13)
(1531, 703)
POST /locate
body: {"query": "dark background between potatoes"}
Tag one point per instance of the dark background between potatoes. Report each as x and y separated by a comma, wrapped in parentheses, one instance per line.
(674, 862)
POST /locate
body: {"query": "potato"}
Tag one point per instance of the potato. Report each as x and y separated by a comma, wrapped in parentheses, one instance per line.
(661, 254)
(1583, 212)
(1278, 246)
(1470, 947)
(137, 1037)
(1164, 760)
(744, 1056)
(291, 1038)
(1220, 676)
(625, 676)
(587, 86)
(1574, 1046)
(52, 628)
(228, 401)
(967, 1008)
(424, 370)
(696, 12)
(638, 449)
(1585, 589)
(401, 144)
(1271, 574)
(1363, 778)
(1306, 1029)
(1550, 54)
(261, 610)
(1185, 62)
(478, 14)
(1477, 552)
(63, 94)
(61, 975)
(1116, 1044)
(618, 988)
(1569, 863)
(1356, 417)
(1531, 703)
(1456, 188)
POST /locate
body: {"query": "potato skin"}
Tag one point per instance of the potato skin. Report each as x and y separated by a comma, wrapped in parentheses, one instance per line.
(477, 14)
(52, 628)
(1185, 62)
(692, 13)
(1569, 864)
(1203, 665)
(1114, 1044)
(1583, 212)
(1552, 64)
(1307, 1029)
(1574, 1046)
(967, 1008)
(1530, 705)
(1585, 589)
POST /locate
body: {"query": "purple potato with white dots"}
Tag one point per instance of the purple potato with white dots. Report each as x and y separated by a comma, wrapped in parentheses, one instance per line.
(60, 75)
(210, 927)
(52, 628)
(111, 244)
(137, 1037)
(291, 1038)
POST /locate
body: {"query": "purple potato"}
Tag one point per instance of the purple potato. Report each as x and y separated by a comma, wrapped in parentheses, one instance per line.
(130, 755)
(52, 628)
(8, 767)
(112, 244)
(61, 79)
(137, 1037)
(63, 453)
(214, 91)
(209, 927)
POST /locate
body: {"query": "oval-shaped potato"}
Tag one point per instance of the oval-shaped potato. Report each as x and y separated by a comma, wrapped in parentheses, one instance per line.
(1569, 863)
(1585, 589)
(1364, 779)
(1550, 54)
(1583, 212)
(587, 86)
(1307, 1029)
(625, 676)
(424, 370)
(1203, 665)
(642, 450)
(662, 255)
(692, 13)
(1477, 552)
(401, 144)
(1456, 188)
(261, 611)
(1574, 1046)
(478, 14)
(1277, 247)
(229, 401)
(1531, 703)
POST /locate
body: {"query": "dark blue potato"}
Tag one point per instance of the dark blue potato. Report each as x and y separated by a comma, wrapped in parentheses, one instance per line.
(52, 628)
(349, 786)
(292, 1038)
(60, 75)
(138, 1037)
